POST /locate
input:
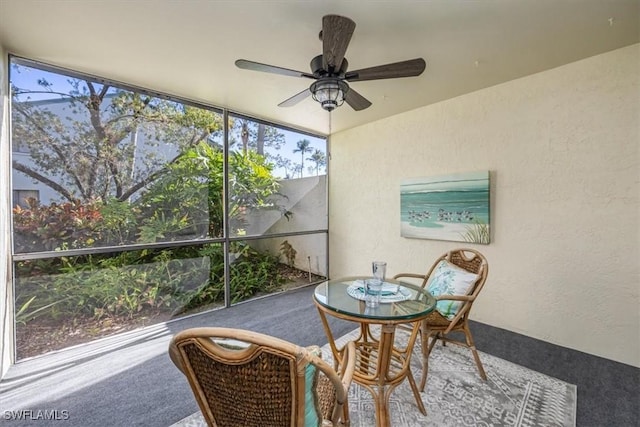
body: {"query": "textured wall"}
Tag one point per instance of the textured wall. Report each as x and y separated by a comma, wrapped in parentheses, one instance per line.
(563, 150)
(307, 201)
(6, 295)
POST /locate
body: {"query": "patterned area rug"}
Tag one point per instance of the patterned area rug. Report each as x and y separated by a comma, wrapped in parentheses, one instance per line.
(455, 394)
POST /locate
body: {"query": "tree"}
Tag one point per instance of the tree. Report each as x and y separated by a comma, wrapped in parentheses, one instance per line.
(319, 159)
(132, 168)
(254, 135)
(282, 162)
(94, 141)
(303, 148)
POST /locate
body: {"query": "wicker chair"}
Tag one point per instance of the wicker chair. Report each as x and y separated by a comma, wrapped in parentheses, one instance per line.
(242, 378)
(436, 326)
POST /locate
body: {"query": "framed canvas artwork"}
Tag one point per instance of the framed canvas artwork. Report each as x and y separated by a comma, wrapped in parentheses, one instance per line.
(448, 207)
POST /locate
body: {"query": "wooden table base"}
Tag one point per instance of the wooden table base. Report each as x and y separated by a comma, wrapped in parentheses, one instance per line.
(380, 366)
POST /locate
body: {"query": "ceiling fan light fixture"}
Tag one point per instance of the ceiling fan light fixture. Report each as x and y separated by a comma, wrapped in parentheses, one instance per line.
(329, 92)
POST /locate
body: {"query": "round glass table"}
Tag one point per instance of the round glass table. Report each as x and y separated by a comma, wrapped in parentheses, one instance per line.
(381, 365)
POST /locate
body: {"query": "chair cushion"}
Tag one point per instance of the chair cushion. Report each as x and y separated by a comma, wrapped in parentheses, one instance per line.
(311, 409)
(449, 279)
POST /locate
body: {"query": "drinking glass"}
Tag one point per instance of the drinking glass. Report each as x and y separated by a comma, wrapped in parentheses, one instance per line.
(373, 289)
(379, 270)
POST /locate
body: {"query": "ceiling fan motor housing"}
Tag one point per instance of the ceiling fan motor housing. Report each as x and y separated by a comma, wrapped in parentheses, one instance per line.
(318, 70)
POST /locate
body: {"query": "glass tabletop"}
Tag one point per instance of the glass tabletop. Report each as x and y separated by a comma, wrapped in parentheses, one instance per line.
(341, 296)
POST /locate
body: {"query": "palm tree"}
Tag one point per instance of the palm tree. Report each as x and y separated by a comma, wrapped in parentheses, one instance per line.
(303, 147)
(319, 159)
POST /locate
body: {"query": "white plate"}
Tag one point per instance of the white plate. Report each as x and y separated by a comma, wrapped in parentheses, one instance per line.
(356, 290)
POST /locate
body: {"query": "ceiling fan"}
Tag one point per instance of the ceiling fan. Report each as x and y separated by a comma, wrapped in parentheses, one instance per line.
(329, 70)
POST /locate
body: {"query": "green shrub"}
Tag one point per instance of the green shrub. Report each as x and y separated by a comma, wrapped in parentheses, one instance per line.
(127, 283)
(250, 273)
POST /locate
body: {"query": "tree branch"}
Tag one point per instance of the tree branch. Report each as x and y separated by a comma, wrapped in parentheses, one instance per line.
(113, 168)
(152, 177)
(140, 184)
(43, 179)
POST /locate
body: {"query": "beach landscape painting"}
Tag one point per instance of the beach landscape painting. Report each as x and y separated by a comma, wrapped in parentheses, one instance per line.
(448, 207)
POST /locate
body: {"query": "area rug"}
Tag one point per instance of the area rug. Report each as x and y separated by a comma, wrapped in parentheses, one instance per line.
(455, 394)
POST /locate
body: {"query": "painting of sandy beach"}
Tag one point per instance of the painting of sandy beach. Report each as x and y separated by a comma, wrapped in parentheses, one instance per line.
(449, 207)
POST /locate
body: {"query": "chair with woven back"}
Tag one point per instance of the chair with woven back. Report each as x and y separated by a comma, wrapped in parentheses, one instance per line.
(455, 279)
(244, 378)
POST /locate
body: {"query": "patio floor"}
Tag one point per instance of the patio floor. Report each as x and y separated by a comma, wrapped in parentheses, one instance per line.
(129, 380)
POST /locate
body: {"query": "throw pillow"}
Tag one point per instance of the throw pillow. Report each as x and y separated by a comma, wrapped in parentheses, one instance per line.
(449, 279)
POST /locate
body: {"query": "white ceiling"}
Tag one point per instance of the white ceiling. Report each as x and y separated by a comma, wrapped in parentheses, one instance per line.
(187, 48)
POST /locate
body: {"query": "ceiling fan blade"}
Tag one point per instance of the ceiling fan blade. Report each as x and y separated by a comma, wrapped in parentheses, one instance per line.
(295, 98)
(356, 101)
(410, 68)
(256, 66)
(336, 35)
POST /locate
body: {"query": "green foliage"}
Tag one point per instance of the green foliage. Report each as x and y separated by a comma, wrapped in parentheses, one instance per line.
(252, 274)
(158, 228)
(119, 222)
(109, 285)
(188, 198)
(191, 195)
(131, 283)
(184, 203)
(24, 314)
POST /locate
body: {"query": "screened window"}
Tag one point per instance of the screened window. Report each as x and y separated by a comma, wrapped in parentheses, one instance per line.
(296, 200)
(140, 202)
